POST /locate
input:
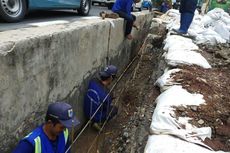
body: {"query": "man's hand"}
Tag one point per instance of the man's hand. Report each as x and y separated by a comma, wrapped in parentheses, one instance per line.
(135, 26)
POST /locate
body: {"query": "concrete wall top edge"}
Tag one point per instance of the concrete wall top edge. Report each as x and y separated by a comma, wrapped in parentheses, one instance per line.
(8, 39)
(36, 31)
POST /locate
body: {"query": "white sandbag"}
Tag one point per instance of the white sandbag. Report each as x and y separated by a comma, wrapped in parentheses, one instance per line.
(173, 38)
(196, 19)
(222, 30)
(228, 27)
(166, 81)
(207, 21)
(226, 20)
(170, 144)
(173, 13)
(195, 29)
(209, 36)
(216, 13)
(182, 47)
(156, 20)
(175, 42)
(173, 24)
(164, 120)
(177, 96)
(186, 58)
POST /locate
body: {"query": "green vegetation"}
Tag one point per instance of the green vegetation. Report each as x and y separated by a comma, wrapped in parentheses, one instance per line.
(224, 4)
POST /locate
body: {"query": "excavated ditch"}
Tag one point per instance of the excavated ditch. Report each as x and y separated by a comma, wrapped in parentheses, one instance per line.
(135, 96)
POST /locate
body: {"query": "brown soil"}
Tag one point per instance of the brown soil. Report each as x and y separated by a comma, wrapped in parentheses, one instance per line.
(214, 85)
(135, 96)
(128, 132)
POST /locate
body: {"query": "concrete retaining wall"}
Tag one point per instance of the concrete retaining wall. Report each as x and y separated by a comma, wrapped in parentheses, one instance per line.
(46, 64)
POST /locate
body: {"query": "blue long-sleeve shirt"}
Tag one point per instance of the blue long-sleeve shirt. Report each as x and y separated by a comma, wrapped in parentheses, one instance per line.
(95, 95)
(123, 5)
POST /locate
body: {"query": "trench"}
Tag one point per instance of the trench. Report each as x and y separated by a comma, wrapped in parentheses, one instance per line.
(135, 95)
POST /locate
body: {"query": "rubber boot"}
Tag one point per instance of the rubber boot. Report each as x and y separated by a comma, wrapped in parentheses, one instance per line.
(183, 26)
(188, 20)
(97, 126)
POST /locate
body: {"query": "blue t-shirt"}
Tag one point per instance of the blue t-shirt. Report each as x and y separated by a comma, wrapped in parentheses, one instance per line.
(26, 147)
(123, 5)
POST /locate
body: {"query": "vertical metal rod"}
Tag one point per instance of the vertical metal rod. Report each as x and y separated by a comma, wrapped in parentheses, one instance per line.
(108, 46)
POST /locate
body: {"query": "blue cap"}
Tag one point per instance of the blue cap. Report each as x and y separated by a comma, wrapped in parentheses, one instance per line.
(108, 71)
(63, 112)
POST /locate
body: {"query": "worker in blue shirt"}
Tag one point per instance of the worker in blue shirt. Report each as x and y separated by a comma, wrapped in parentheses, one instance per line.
(53, 135)
(123, 9)
(187, 9)
(97, 94)
(164, 6)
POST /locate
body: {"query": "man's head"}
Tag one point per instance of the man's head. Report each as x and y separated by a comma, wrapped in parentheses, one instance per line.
(108, 74)
(60, 116)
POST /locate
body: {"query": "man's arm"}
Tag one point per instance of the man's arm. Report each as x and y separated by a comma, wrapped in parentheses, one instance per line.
(24, 147)
(129, 4)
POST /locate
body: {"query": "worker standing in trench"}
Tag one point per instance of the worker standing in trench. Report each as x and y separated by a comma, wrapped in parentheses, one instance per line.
(187, 9)
(53, 135)
(98, 94)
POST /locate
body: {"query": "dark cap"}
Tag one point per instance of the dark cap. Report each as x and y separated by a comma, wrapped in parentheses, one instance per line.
(63, 112)
(108, 71)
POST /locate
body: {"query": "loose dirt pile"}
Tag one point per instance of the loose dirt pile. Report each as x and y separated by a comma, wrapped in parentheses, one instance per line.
(214, 85)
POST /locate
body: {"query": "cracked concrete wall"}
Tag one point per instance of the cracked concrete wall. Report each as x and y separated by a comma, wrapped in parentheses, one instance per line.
(42, 65)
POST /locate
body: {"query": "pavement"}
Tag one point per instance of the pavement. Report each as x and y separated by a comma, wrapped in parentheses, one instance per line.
(43, 18)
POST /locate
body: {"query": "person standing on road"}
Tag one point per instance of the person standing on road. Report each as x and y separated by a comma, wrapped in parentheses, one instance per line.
(123, 9)
(97, 94)
(53, 135)
(187, 9)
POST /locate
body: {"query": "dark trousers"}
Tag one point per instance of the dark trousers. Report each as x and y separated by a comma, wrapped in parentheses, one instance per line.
(129, 21)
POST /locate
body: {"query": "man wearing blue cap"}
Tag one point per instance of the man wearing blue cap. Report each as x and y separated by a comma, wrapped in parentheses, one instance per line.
(53, 135)
(97, 94)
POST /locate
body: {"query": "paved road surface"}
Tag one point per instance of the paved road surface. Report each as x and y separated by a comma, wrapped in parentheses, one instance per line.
(49, 17)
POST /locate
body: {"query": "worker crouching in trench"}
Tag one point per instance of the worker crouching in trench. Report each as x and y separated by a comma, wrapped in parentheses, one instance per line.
(98, 101)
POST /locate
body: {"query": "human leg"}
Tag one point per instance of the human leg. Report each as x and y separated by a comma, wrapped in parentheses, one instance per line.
(111, 113)
(183, 27)
(129, 21)
(189, 18)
